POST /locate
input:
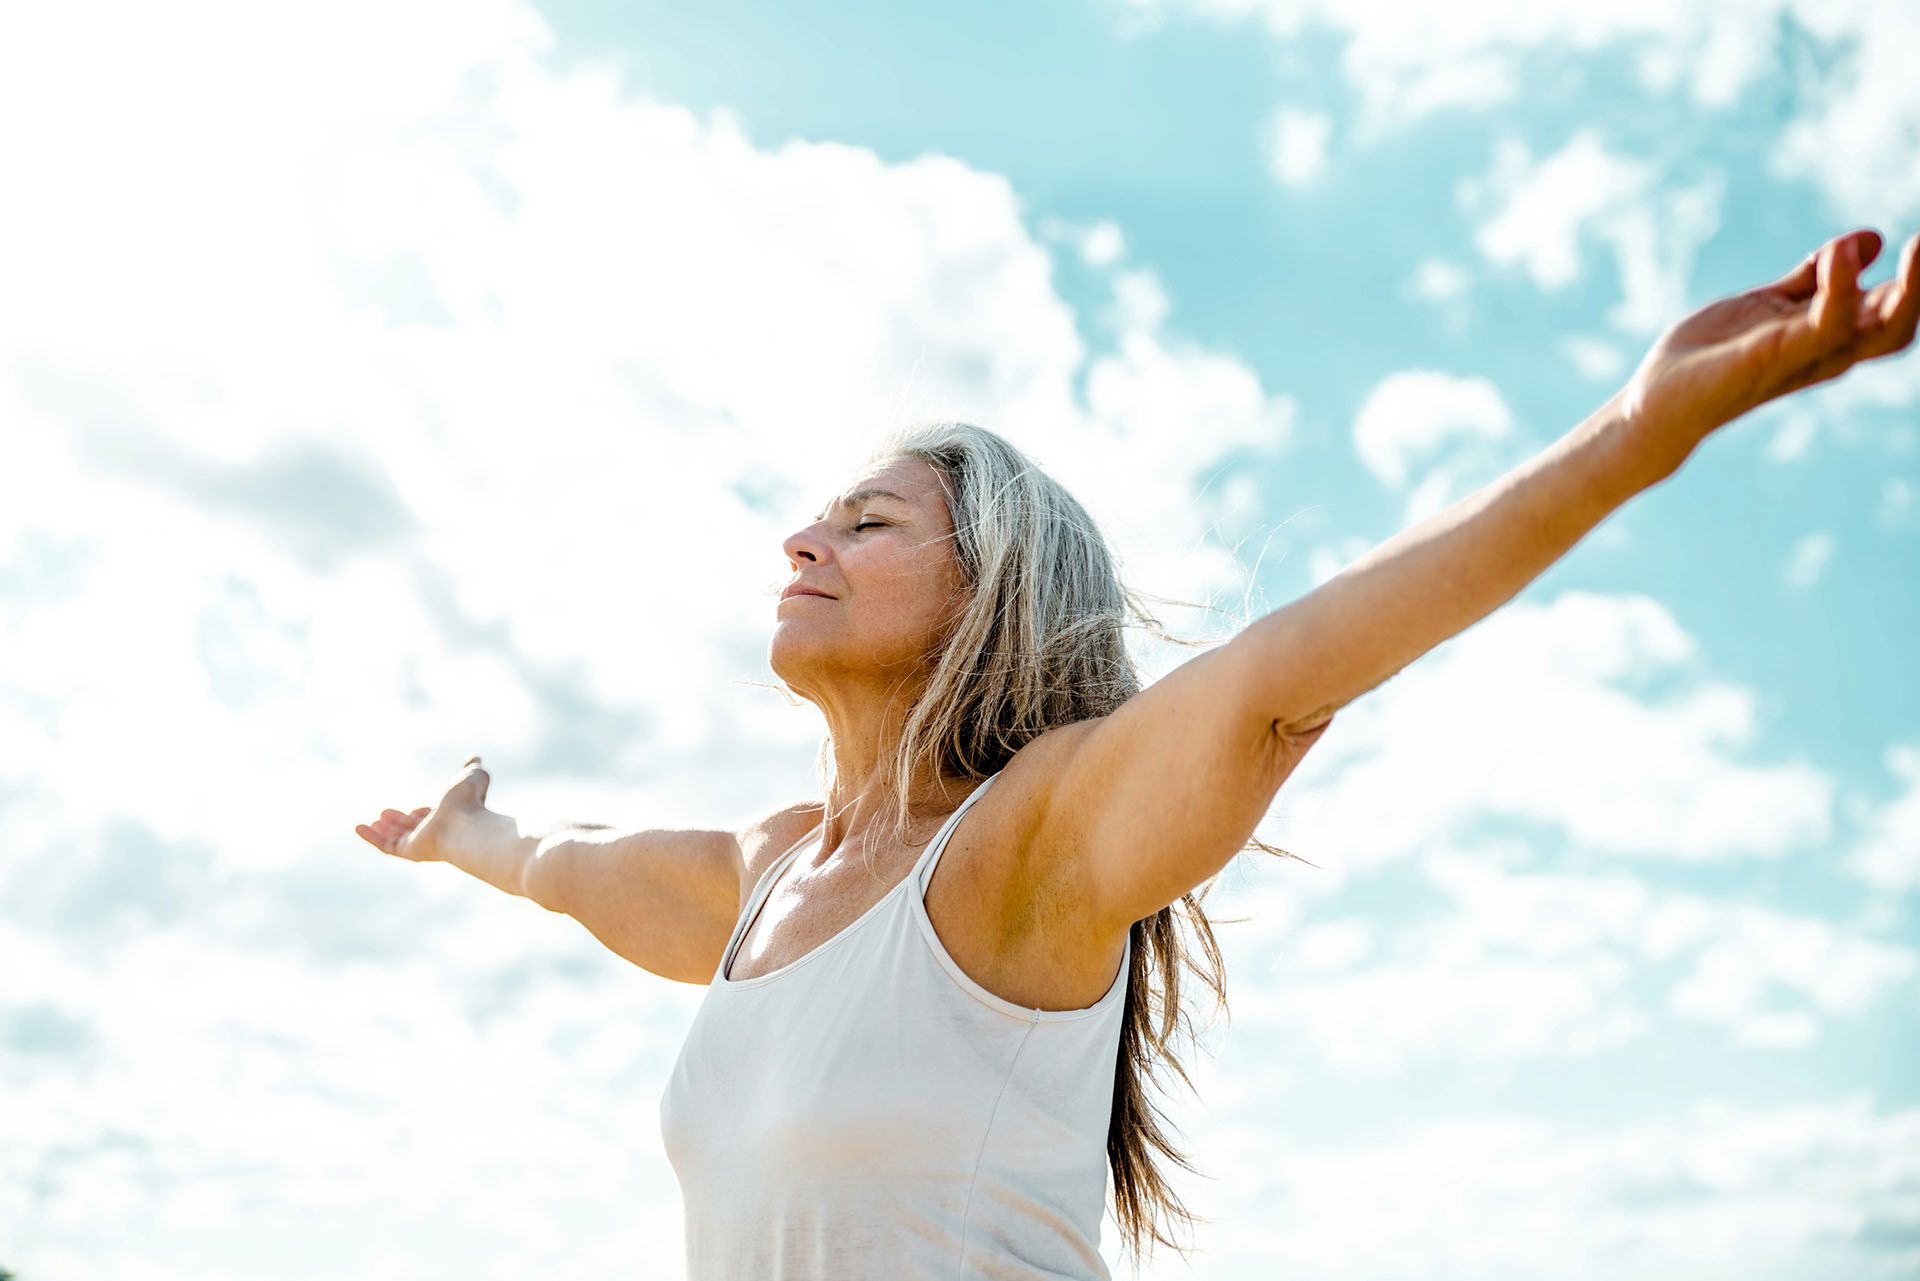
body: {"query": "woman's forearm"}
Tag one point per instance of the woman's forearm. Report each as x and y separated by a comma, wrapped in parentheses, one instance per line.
(500, 849)
(1439, 577)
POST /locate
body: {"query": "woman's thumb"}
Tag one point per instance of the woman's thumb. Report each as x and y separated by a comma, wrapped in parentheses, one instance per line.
(475, 771)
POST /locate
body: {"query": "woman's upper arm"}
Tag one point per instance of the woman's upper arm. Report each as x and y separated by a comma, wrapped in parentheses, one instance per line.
(665, 899)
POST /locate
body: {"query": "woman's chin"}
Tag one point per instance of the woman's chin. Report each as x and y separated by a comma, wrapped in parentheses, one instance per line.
(790, 653)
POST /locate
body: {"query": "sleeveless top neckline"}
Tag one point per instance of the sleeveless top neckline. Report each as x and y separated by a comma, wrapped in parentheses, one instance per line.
(918, 879)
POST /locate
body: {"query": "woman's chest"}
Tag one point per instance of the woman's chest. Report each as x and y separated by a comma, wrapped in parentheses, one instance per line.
(1015, 942)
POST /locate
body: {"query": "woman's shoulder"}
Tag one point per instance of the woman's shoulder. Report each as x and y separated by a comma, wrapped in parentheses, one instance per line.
(764, 841)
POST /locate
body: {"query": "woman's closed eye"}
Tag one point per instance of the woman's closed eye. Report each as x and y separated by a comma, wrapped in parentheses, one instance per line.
(869, 524)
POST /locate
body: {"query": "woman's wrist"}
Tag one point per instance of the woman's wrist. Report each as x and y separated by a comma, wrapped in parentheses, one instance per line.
(494, 847)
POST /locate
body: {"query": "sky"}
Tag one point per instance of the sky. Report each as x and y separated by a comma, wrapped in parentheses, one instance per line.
(385, 383)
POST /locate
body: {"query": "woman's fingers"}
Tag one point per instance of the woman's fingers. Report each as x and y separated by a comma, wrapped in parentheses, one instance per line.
(1804, 281)
(1823, 340)
(1896, 308)
(1838, 302)
(391, 826)
(1887, 315)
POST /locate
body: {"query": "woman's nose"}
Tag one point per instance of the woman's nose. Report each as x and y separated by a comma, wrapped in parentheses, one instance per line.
(801, 544)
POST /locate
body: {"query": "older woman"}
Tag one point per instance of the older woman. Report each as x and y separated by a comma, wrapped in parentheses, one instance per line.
(924, 1041)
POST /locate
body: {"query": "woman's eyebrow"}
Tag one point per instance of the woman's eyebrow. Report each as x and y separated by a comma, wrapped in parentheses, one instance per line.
(859, 495)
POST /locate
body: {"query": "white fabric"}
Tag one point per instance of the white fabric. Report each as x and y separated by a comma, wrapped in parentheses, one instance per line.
(869, 1111)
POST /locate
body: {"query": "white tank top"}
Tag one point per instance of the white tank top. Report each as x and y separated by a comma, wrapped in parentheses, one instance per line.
(869, 1111)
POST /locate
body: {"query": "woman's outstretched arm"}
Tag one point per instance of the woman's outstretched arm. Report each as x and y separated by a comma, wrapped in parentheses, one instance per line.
(1432, 581)
(665, 899)
(1151, 801)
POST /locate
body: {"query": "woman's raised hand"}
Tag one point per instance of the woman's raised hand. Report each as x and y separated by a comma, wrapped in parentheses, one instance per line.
(423, 835)
(1737, 353)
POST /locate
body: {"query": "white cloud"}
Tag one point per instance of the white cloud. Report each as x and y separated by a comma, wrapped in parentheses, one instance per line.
(1103, 244)
(1140, 302)
(1443, 285)
(1436, 280)
(555, 480)
(1333, 945)
(1536, 214)
(1807, 560)
(1413, 413)
(1535, 964)
(1896, 509)
(1753, 954)
(1595, 358)
(1794, 436)
(1888, 854)
(1716, 1191)
(228, 1086)
(1443, 997)
(1296, 145)
(1855, 136)
(1099, 244)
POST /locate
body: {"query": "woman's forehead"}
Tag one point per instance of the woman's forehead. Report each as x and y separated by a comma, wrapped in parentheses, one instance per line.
(903, 481)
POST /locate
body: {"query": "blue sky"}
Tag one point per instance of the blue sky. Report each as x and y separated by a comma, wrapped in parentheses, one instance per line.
(385, 384)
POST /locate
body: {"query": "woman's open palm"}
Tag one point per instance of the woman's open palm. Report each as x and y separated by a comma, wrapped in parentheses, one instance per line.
(1811, 325)
(422, 835)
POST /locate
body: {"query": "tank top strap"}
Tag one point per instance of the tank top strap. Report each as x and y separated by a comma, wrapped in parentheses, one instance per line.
(923, 870)
(760, 891)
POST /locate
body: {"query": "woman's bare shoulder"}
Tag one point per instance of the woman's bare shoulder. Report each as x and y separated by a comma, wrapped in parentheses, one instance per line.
(764, 840)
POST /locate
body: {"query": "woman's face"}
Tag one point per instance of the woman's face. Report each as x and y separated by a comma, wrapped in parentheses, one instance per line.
(886, 561)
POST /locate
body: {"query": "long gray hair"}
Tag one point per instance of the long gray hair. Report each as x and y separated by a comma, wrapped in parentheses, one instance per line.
(1038, 642)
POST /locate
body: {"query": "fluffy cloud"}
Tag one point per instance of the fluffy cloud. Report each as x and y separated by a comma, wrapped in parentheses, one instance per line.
(1297, 145)
(1517, 965)
(1415, 414)
(1535, 214)
(493, 391)
(1807, 560)
(1713, 1190)
(1887, 857)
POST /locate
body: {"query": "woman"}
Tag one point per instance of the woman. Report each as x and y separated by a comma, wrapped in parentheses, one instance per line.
(920, 1035)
